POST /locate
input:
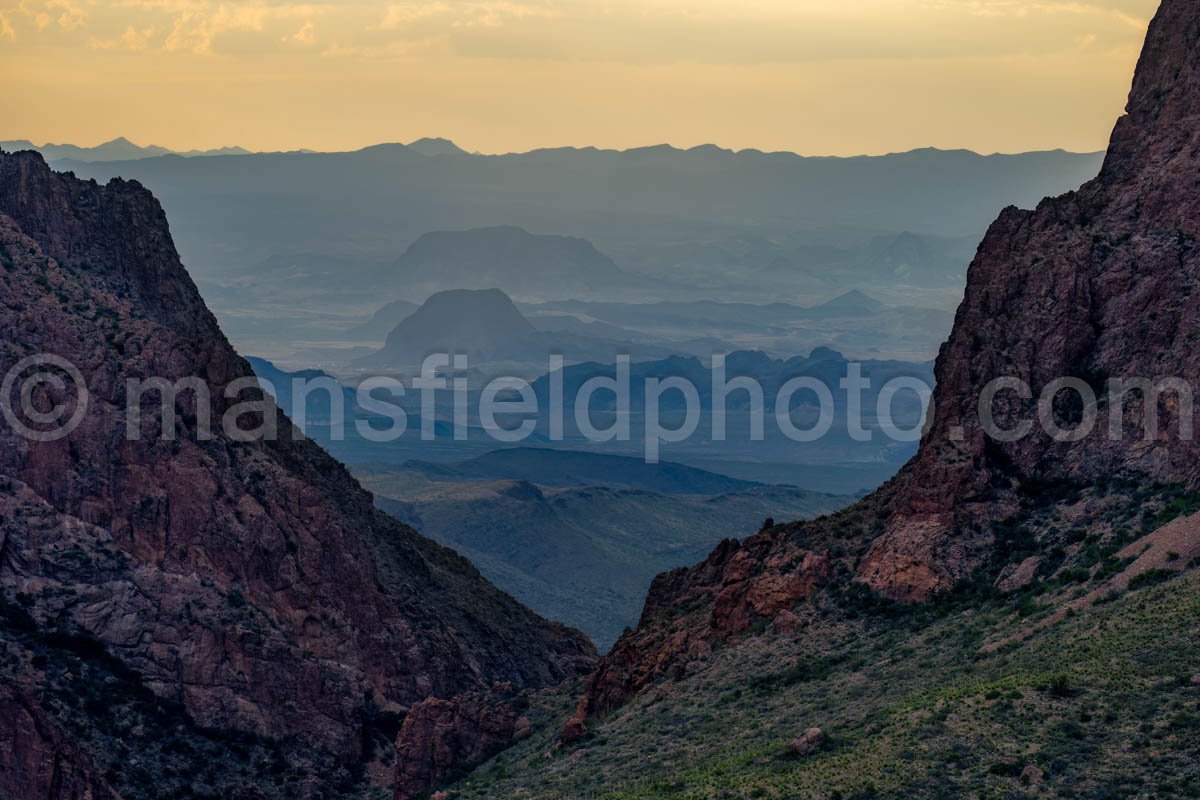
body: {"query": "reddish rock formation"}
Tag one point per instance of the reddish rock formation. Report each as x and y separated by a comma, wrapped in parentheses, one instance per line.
(251, 581)
(441, 735)
(37, 760)
(1018, 576)
(1098, 283)
(689, 610)
(807, 743)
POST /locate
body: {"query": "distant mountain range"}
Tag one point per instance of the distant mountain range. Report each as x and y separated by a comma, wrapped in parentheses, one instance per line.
(672, 316)
(853, 304)
(318, 406)
(316, 240)
(824, 364)
(853, 322)
(119, 149)
(704, 222)
(487, 325)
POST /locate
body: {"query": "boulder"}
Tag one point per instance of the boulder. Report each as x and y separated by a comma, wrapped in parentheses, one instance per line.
(807, 743)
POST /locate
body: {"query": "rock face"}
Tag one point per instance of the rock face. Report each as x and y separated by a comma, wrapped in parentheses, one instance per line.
(252, 582)
(1100, 283)
(37, 760)
(440, 735)
(688, 611)
(807, 743)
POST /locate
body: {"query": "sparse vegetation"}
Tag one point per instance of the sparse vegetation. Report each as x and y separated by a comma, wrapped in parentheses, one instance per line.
(1090, 706)
(982, 694)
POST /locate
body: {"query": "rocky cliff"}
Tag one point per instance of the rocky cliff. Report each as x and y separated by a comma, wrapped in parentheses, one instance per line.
(440, 736)
(1097, 284)
(38, 760)
(245, 579)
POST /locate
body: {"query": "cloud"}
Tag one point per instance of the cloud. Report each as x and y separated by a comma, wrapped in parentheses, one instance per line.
(445, 17)
(63, 13)
(199, 26)
(305, 36)
(1027, 8)
(131, 39)
(662, 32)
(181, 26)
(401, 15)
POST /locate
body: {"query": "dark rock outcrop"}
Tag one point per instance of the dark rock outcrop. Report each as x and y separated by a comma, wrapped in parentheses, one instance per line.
(689, 611)
(247, 578)
(37, 760)
(439, 736)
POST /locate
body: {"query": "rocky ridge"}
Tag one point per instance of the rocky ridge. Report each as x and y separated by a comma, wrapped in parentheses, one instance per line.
(1096, 284)
(250, 581)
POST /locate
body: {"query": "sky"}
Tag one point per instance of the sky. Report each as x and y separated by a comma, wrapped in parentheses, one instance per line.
(818, 77)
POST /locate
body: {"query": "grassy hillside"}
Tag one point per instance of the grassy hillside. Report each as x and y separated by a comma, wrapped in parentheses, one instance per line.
(1033, 694)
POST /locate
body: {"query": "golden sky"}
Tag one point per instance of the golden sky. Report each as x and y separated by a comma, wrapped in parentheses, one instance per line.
(834, 77)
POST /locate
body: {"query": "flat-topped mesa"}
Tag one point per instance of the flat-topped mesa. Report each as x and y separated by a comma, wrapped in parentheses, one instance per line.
(1093, 285)
(251, 582)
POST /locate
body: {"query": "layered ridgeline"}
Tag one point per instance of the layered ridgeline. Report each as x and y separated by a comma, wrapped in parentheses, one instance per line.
(1003, 618)
(650, 208)
(218, 618)
(579, 536)
(119, 149)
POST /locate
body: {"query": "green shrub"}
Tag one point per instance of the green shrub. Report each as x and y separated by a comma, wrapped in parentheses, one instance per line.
(1151, 577)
